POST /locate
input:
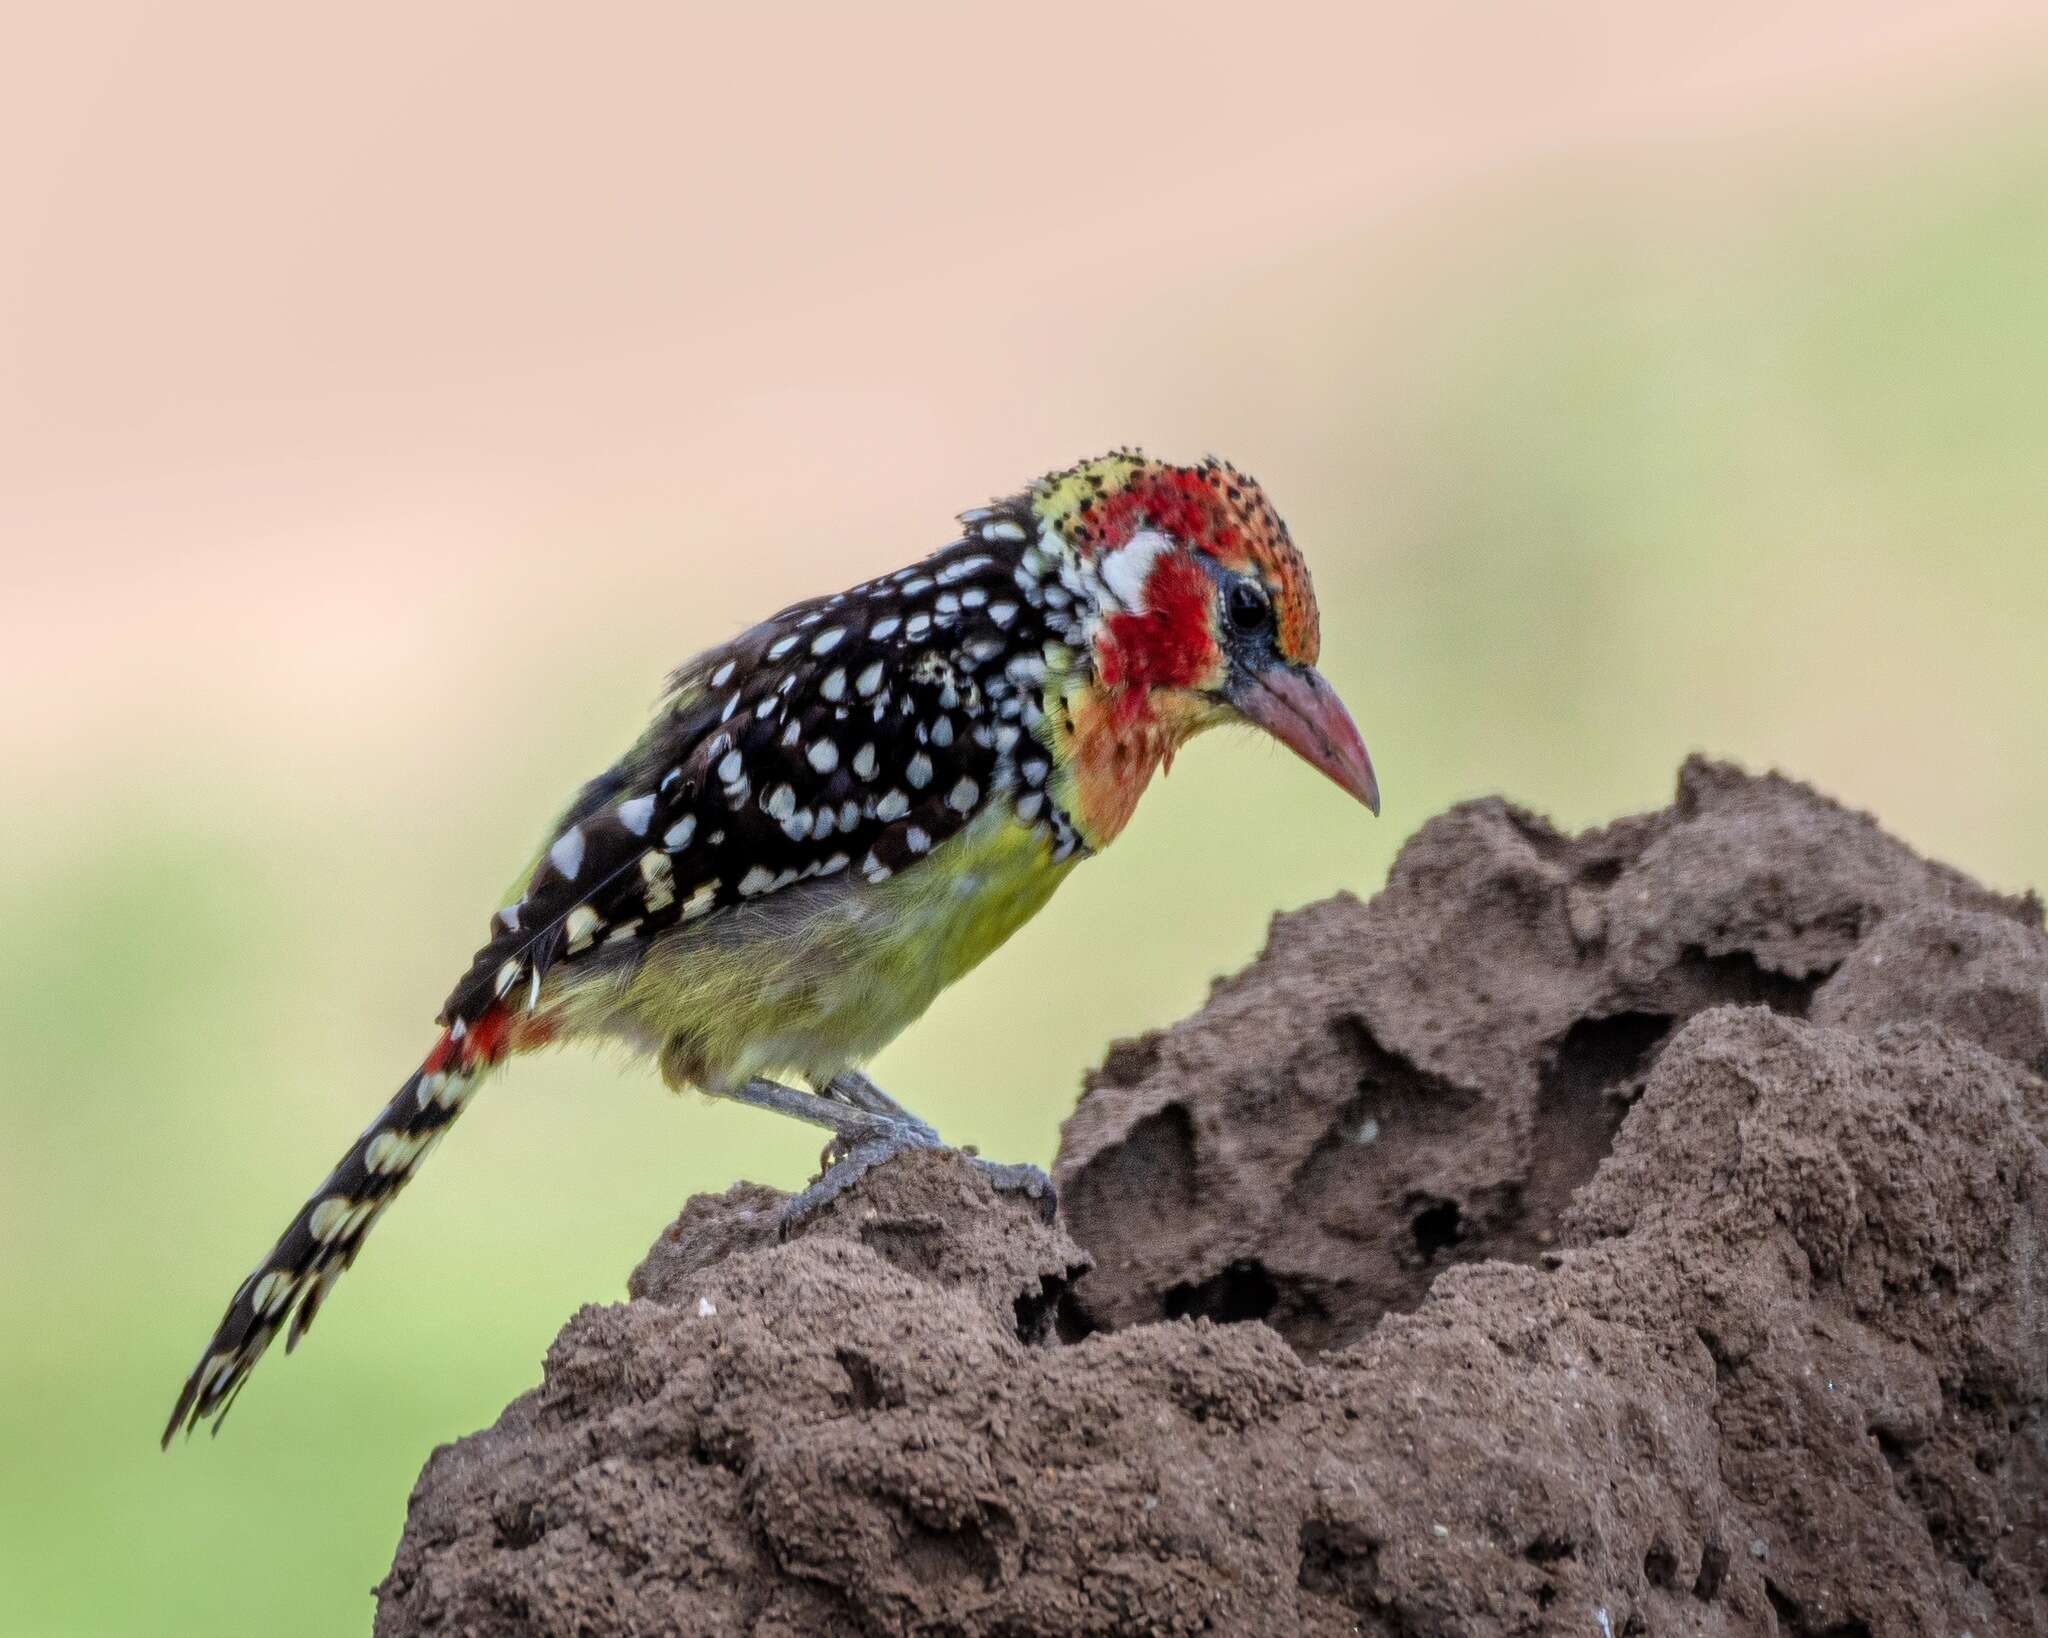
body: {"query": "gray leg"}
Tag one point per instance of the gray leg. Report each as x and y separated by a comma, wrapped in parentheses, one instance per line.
(868, 1127)
(846, 1121)
(851, 1086)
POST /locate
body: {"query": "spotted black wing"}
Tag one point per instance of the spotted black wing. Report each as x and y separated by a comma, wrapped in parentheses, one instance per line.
(847, 737)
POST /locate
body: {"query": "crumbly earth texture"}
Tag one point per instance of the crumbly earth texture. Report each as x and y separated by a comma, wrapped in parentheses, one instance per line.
(1634, 1233)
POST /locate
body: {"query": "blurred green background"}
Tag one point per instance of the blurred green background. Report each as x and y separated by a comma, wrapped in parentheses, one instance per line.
(388, 407)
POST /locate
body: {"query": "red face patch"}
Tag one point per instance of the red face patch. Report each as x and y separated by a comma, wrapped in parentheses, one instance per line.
(1171, 641)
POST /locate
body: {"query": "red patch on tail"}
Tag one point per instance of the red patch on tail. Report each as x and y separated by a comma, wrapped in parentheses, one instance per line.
(498, 1033)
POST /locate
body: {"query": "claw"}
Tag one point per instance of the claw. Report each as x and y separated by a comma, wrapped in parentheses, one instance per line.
(858, 1159)
(868, 1126)
(863, 1156)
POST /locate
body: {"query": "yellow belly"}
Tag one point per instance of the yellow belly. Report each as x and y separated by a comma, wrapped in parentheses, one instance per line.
(814, 981)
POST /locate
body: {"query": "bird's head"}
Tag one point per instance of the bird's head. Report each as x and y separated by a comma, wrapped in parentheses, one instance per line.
(1196, 609)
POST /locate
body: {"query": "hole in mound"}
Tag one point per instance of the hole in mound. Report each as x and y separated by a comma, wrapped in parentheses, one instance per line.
(1713, 1570)
(1052, 1313)
(868, 1389)
(1594, 1073)
(1602, 872)
(1894, 1449)
(1738, 979)
(1136, 1193)
(1339, 1562)
(942, 1558)
(1242, 1291)
(1435, 1228)
(519, 1526)
(1794, 1622)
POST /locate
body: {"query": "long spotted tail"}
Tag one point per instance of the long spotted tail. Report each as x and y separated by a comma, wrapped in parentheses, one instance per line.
(323, 1239)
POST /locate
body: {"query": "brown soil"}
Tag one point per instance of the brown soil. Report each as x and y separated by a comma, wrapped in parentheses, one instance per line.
(1643, 1228)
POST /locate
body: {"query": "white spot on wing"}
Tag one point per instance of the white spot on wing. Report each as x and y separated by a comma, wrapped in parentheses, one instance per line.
(582, 922)
(637, 814)
(567, 853)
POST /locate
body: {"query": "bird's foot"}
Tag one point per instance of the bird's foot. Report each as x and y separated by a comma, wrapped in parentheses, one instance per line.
(860, 1158)
(848, 1160)
(868, 1127)
(852, 1087)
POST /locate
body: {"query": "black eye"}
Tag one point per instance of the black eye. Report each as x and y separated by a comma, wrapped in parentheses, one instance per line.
(1248, 607)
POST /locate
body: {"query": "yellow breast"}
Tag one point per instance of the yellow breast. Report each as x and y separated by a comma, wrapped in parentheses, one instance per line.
(814, 981)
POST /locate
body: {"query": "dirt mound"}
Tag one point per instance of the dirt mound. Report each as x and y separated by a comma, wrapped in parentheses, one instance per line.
(1759, 1341)
(1423, 1080)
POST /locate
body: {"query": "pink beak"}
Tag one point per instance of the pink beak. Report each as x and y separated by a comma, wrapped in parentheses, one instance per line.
(1299, 709)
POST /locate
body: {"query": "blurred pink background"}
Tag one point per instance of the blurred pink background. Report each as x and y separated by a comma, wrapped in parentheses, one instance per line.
(341, 352)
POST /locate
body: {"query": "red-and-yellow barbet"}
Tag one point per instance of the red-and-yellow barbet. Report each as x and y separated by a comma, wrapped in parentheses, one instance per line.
(840, 812)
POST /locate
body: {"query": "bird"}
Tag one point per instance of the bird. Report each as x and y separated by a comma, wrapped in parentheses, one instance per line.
(839, 813)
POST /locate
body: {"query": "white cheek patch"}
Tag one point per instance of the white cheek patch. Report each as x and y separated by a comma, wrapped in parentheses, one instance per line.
(1125, 570)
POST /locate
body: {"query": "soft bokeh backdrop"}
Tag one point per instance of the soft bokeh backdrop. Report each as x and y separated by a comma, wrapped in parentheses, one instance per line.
(389, 394)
